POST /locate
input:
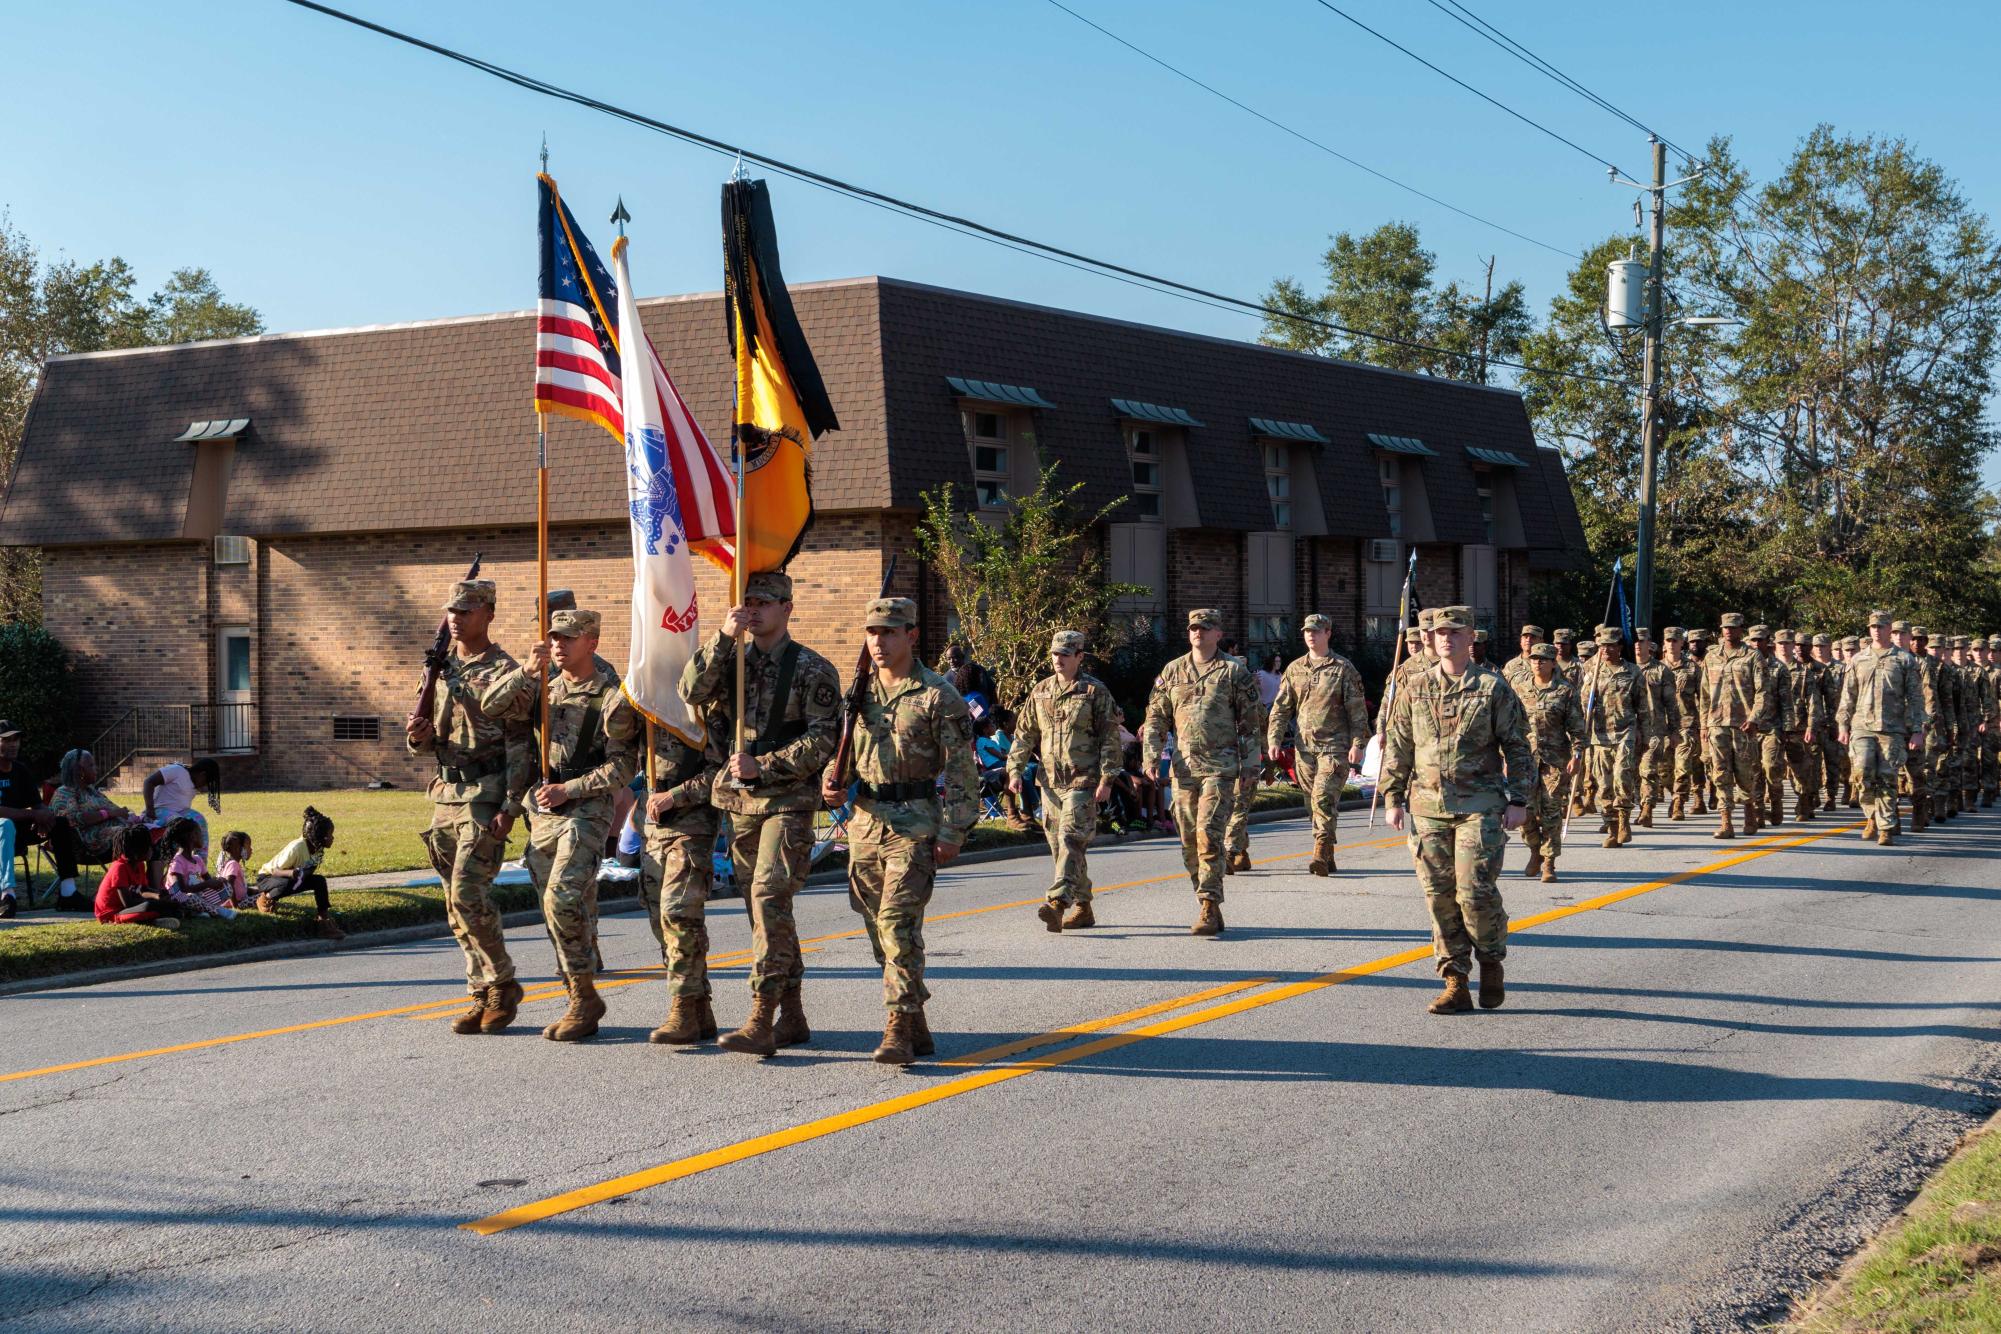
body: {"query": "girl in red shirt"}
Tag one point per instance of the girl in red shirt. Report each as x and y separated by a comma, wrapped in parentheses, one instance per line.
(126, 894)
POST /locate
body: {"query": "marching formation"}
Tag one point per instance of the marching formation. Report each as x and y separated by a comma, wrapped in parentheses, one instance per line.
(1470, 754)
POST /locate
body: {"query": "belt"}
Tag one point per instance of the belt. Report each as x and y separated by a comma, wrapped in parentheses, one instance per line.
(918, 791)
(472, 773)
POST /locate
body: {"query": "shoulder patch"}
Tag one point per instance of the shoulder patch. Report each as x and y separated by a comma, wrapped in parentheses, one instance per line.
(824, 695)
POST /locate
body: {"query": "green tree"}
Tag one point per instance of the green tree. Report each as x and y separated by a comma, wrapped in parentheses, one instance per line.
(1017, 576)
(37, 691)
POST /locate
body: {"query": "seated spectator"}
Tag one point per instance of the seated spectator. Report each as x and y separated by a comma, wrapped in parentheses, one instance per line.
(235, 853)
(991, 744)
(968, 677)
(296, 869)
(95, 820)
(126, 893)
(187, 881)
(170, 795)
(24, 820)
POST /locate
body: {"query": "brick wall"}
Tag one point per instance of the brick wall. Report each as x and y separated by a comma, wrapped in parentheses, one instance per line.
(1328, 580)
(1438, 576)
(1204, 569)
(135, 620)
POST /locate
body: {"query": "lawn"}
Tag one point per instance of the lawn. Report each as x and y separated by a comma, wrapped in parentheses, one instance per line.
(373, 831)
(1936, 1269)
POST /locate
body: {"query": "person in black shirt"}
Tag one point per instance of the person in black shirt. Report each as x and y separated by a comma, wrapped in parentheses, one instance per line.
(29, 822)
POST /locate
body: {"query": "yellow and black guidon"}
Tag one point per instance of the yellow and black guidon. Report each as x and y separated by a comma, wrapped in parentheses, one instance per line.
(781, 402)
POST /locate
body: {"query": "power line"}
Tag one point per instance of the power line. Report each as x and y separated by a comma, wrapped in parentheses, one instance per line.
(950, 221)
(1514, 48)
(1308, 139)
(1485, 97)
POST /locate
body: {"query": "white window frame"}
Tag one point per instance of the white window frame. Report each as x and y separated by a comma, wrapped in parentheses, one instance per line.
(1149, 498)
(1484, 489)
(231, 549)
(990, 485)
(1278, 483)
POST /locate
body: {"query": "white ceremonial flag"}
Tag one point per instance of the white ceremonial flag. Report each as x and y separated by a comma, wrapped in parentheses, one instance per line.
(663, 575)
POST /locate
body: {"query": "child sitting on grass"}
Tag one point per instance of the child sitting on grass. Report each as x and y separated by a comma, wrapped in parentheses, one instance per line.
(297, 868)
(235, 881)
(187, 881)
(126, 893)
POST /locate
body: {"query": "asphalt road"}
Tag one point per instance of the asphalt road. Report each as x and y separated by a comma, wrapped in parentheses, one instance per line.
(1721, 1065)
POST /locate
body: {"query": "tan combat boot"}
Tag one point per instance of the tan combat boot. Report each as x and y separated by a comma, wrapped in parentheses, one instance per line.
(1678, 807)
(1724, 826)
(1455, 999)
(469, 1021)
(581, 1019)
(1534, 867)
(1647, 816)
(1239, 861)
(920, 1035)
(1492, 992)
(1549, 871)
(1079, 917)
(1210, 921)
(1885, 838)
(791, 1030)
(1051, 913)
(1611, 833)
(755, 1037)
(899, 1037)
(503, 1002)
(689, 1019)
(1318, 864)
(1751, 820)
(1869, 827)
(1625, 828)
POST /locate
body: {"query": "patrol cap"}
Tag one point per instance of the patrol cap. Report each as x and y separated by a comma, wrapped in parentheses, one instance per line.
(1731, 620)
(1205, 618)
(1783, 637)
(1919, 632)
(1564, 635)
(570, 622)
(1699, 636)
(1533, 632)
(1066, 641)
(1643, 633)
(1543, 651)
(1822, 641)
(1672, 633)
(1962, 641)
(1608, 635)
(470, 593)
(1427, 619)
(562, 599)
(1993, 641)
(1316, 622)
(890, 614)
(768, 586)
(1452, 618)
(1479, 636)
(1414, 631)
(1758, 632)
(1587, 648)
(1850, 643)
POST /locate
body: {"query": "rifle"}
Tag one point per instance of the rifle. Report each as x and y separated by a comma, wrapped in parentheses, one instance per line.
(427, 693)
(851, 706)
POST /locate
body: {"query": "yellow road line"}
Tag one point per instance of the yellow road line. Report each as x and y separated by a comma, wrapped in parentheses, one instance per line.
(757, 1146)
(1060, 1035)
(455, 1001)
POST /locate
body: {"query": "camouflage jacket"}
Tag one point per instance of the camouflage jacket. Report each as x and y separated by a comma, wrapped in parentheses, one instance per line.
(481, 760)
(1934, 726)
(918, 731)
(809, 722)
(1662, 698)
(1519, 673)
(1735, 690)
(1457, 746)
(1070, 730)
(591, 765)
(1965, 701)
(1555, 720)
(1882, 691)
(687, 774)
(1809, 700)
(1323, 698)
(1618, 704)
(1685, 679)
(1212, 710)
(1831, 676)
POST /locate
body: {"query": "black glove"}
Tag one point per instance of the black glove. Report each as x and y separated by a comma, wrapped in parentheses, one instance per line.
(438, 660)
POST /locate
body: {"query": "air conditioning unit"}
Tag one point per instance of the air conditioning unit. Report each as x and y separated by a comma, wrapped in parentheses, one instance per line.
(1385, 550)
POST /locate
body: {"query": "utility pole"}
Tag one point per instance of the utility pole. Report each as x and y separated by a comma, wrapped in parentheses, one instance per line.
(1643, 578)
(1486, 318)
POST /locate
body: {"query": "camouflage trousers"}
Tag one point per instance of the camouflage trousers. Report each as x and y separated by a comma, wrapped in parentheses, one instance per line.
(1803, 762)
(1969, 760)
(773, 851)
(1202, 809)
(467, 857)
(1615, 770)
(1834, 764)
(1238, 836)
(1542, 831)
(1459, 864)
(1990, 761)
(1733, 755)
(1915, 777)
(676, 874)
(889, 884)
(564, 852)
(1772, 768)
(1069, 819)
(1656, 770)
(1322, 777)
(1585, 789)
(1877, 759)
(1689, 769)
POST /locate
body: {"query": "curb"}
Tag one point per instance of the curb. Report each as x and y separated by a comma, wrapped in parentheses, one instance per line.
(299, 949)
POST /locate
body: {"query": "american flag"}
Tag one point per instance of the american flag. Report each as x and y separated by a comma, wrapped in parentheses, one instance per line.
(578, 364)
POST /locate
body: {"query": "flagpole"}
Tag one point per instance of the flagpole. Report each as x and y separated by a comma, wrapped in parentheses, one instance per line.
(737, 575)
(1390, 684)
(542, 549)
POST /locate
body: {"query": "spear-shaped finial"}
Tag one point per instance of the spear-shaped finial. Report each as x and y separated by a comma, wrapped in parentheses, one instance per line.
(545, 152)
(620, 216)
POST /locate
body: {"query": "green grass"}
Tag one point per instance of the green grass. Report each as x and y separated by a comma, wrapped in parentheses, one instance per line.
(1937, 1269)
(373, 831)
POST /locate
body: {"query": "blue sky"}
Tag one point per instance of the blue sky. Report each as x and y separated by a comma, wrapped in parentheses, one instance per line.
(329, 177)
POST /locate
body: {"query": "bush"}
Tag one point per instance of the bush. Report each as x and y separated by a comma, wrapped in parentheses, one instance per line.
(37, 692)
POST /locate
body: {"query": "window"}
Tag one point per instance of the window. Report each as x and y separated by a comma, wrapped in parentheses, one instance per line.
(1381, 627)
(1278, 484)
(1143, 449)
(232, 550)
(353, 727)
(1391, 472)
(1270, 634)
(987, 435)
(1486, 494)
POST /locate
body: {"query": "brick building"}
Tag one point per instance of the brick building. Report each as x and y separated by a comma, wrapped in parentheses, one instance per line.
(246, 541)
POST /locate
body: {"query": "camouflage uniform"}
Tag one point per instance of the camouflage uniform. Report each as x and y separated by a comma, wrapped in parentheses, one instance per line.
(1067, 730)
(1443, 759)
(1990, 746)
(1972, 714)
(1685, 683)
(1520, 671)
(1323, 698)
(484, 768)
(1658, 742)
(594, 749)
(1803, 680)
(908, 736)
(1211, 708)
(792, 738)
(1918, 765)
(677, 866)
(1237, 836)
(1618, 721)
(1735, 691)
(1771, 736)
(1556, 738)
(1833, 758)
(1882, 706)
